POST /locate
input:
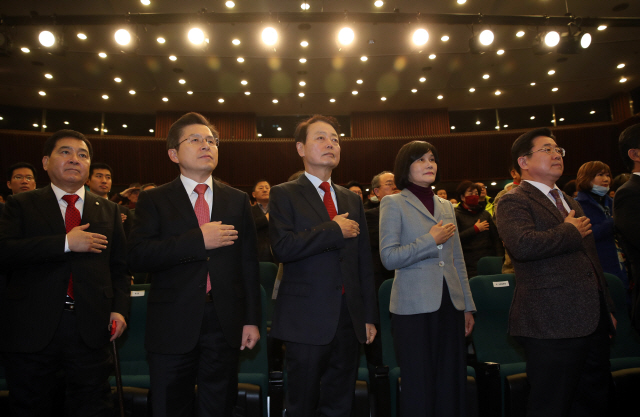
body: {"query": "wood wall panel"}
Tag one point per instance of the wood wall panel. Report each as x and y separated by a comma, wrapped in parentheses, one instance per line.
(399, 124)
(620, 106)
(230, 125)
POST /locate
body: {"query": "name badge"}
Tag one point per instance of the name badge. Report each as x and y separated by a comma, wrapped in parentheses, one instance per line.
(495, 284)
(137, 293)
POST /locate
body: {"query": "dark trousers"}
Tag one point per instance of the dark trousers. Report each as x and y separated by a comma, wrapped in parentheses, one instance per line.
(33, 377)
(321, 379)
(432, 357)
(212, 365)
(569, 377)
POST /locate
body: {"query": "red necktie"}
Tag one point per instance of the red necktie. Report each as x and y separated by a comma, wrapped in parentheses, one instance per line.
(327, 200)
(71, 220)
(556, 195)
(202, 213)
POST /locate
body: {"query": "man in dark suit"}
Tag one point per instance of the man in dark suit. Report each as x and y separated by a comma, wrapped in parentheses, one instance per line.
(626, 209)
(326, 302)
(196, 238)
(260, 212)
(561, 306)
(99, 183)
(64, 289)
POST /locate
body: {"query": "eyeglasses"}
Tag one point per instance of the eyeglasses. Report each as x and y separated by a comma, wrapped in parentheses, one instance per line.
(548, 151)
(197, 140)
(28, 178)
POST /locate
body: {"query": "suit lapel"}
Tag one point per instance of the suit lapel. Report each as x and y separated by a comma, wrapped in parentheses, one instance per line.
(219, 202)
(543, 200)
(312, 196)
(180, 200)
(415, 202)
(90, 208)
(50, 208)
(343, 199)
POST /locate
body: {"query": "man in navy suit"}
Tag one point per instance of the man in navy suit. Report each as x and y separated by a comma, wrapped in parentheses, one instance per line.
(67, 281)
(326, 302)
(196, 238)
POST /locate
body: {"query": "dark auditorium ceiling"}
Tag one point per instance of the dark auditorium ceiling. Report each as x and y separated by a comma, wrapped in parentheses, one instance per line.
(394, 65)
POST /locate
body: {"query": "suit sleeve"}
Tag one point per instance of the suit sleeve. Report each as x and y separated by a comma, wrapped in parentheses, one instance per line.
(626, 208)
(149, 251)
(394, 255)
(291, 245)
(18, 250)
(365, 269)
(120, 279)
(250, 268)
(517, 228)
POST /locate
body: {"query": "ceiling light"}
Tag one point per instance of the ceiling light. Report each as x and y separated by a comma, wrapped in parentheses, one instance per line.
(82, 36)
(49, 76)
(132, 92)
(354, 92)
(236, 42)
(359, 81)
(623, 80)
(42, 93)
(165, 99)
(620, 66)
(471, 90)
(105, 97)
(244, 82)
(96, 129)
(46, 38)
(551, 72)
(196, 36)
(520, 33)
(123, 37)
(341, 134)
(453, 128)
(440, 97)
(269, 36)
(274, 101)
(432, 56)
(592, 112)
(220, 100)
(546, 42)
(279, 128)
(420, 37)
(104, 130)
(363, 58)
(479, 44)
(151, 130)
(240, 59)
(561, 119)
(378, 3)
(414, 90)
(173, 58)
(422, 79)
(102, 55)
(189, 92)
(486, 37)
(230, 4)
(247, 93)
(182, 81)
(602, 27)
(305, 6)
(497, 127)
(125, 126)
(302, 83)
(25, 50)
(383, 98)
(462, 1)
(444, 38)
(532, 117)
(304, 44)
(554, 89)
(161, 40)
(504, 126)
(66, 122)
(574, 41)
(302, 60)
(500, 51)
(145, 2)
(332, 100)
(532, 84)
(301, 94)
(485, 76)
(259, 135)
(346, 36)
(477, 122)
(498, 92)
(552, 38)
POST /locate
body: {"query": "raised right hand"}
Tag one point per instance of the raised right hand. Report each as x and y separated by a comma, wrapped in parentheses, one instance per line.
(350, 228)
(583, 224)
(81, 241)
(442, 233)
(217, 235)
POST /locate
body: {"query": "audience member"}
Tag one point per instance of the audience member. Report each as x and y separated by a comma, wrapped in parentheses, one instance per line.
(626, 210)
(431, 304)
(128, 197)
(484, 197)
(99, 183)
(617, 182)
(21, 177)
(560, 310)
(55, 320)
(204, 301)
(326, 302)
(593, 185)
(453, 201)
(260, 212)
(356, 187)
(516, 181)
(295, 175)
(442, 193)
(571, 189)
(478, 233)
(147, 186)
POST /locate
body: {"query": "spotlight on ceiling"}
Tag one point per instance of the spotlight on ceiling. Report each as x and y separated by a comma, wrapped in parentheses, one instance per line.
(269, 36)
(481, 43)
(420, 37)
(346, 36)
(52, 41)
(546, 42)
(196, 36)
(574, 41)
(47, 39)
(123, 37)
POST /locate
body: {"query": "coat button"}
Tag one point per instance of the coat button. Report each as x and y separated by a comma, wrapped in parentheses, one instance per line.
(439, 246)
(441, 263)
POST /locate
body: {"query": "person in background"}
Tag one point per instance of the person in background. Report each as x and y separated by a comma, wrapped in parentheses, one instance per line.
(356, 187)
(442, 193)
(484, 197)
(21, 177)
(99, 182)
(617, 182)
(260, 212)
(128, 197)
(571, 188)
(431, 303)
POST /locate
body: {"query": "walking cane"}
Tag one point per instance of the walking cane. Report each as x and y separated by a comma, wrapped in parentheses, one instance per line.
(116, 360)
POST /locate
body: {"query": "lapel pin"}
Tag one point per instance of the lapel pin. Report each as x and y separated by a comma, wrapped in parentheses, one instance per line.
(97, 203)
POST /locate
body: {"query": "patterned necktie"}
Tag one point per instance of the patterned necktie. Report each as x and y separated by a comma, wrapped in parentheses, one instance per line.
(556, 195)
(327, 200)
(71, 220)
(202, 213)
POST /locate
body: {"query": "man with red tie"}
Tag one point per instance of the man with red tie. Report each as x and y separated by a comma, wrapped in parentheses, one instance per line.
(326, 302)
(196, 238)
(67, 282)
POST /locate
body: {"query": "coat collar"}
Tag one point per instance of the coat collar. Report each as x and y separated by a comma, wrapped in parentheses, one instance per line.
(415, 201)
(310, 193)
(537, 196)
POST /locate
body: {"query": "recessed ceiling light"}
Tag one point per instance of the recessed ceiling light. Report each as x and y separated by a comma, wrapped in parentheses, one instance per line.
(236, 42)
(383, 98)
(42, 93)
(378, 3)
(302, 60)
(240, 59)
(432, 56)
(422, 79)
(520, 33)
(132, 92)
(244, 82)
(341, 134)
(477, 122)
(554, 89)
(173, 57)
(363, 58)
(35, 125)
(102, 55)
(259, 135)
(145, 2)
(96, 129)
(453, 128)
(274, 101)
(592, 112)
(498, 92)
(551, 72)
(182, 81)
(82, 36)
(279, 129)
(462, 1)
(302, 83)
(301, 94)
(623, 80)
(220, 100)
(151, 131)
(497, 127)
(440, 97)
(189, 92)
(444, 38)
(620, 66)
(332, 100)
(305, 6)
(125, 126)
(346, 36)
(485, 76)
(105, 97)
(46, 38)
(602, 27)
(117, 79)
(161, 40)
(247, 93)
(359, 81)
(66, 122)
(49, 76)
(532, 117)
(104, 130)
(354, 92)
(230, 4)
(505, 126)
(500, 52)
(532, 84)
(561, 119)
(165, 99)
(25, 50)
(304, 44)
(414, 90)
(471, 90)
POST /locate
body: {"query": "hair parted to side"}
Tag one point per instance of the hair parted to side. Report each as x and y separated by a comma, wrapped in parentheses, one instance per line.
(588, 172)
(524, 143)
(407, 155)
(192, 118)
(629, 139)
(19, 165)
(301, 130)
(52, 141)
(99, 165)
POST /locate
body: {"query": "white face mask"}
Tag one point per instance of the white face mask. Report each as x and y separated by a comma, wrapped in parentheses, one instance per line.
(599, 190)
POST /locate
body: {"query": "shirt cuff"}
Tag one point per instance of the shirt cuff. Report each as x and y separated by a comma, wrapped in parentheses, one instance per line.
(66, 245)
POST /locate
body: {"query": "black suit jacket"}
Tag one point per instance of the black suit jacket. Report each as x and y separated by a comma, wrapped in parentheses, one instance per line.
(557, 270)
(32, 240)
(167, 242)
(262, 230)
(318, 260)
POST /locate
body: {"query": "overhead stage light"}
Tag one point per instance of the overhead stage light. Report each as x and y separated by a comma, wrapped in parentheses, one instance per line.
(47, 39)
(346, 36)
(196, 36)
(52, 41)
(574, 41)
(546, 42)
(123, 37)
(269, 36)
(420, 37)
(481, 43)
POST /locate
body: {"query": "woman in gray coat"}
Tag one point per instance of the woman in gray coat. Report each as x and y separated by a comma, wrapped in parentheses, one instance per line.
(431, 302)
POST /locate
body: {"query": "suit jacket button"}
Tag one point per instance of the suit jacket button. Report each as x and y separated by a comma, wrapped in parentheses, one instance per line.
(439, 246)
(441, 263)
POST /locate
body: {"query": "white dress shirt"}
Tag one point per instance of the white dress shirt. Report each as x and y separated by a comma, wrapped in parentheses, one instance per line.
(546, 190)
(316, 183)
(190, 186)
(63, 206)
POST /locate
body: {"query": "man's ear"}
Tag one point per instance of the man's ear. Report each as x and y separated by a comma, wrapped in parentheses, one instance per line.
(523, 163)
(173, 155)
(300, 148)
(634, 154)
